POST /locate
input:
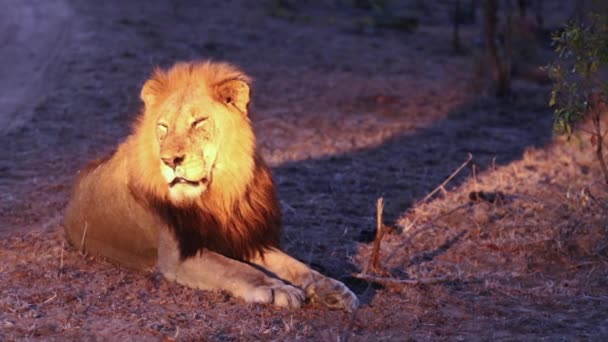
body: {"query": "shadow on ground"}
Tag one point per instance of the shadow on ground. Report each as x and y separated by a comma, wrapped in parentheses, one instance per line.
(330, 202)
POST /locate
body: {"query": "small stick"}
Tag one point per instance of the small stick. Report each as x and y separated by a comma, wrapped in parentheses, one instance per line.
(395, 281)
(50, 299)
(445, 182)
(176, 333)
(374, 261)
(84, 235)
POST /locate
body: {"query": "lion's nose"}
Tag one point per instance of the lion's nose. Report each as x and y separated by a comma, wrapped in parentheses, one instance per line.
(172, 161)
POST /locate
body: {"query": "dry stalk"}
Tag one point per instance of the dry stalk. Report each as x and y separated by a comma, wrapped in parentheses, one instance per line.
(374, 262)
(445, 182)
(84, 236)
(430, 223)
(50, 299)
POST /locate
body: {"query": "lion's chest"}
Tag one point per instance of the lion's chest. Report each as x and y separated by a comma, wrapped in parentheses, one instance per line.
(240, 237)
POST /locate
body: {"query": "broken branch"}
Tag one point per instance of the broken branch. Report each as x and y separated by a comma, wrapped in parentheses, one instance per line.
(445, 182)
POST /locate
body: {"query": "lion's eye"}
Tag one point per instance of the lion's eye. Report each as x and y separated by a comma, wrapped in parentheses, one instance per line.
(161, 130)
(198, 122)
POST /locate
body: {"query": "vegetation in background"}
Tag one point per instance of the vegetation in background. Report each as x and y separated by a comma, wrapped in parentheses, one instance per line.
(580, 85)
(501, 65)
(370, 16)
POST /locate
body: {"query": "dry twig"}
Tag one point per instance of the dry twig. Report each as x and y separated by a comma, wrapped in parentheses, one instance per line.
(50, 299)
(84, 235)
(445, 182)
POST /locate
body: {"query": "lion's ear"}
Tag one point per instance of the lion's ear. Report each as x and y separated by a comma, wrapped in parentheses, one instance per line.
(152, 88)
(234, 92)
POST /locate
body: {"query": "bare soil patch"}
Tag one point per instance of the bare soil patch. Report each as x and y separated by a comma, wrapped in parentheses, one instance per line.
(344, 116)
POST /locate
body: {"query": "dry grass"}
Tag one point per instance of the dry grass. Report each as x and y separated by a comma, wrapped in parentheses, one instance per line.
(530, 254)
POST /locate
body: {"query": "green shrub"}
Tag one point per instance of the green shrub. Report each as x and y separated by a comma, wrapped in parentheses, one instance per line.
(580, 85)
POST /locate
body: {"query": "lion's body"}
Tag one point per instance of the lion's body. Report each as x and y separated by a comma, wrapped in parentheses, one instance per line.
(187, 193)
(112, 222)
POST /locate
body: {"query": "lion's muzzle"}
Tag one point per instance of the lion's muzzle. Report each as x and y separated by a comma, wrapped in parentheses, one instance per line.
(187, 177)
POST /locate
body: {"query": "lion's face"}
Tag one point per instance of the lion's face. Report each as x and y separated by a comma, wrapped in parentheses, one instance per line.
(188, 140)
(195, 120)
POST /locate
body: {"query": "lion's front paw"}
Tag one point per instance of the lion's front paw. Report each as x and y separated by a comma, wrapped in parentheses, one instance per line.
(332, 294)
(277, 293)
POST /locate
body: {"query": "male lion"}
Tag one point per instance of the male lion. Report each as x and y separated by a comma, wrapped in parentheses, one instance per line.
(188, 193)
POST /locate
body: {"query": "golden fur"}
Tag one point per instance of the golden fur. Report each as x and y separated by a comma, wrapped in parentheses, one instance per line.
(187, 193)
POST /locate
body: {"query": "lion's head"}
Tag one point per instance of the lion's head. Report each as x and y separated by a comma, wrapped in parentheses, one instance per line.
(195, 134)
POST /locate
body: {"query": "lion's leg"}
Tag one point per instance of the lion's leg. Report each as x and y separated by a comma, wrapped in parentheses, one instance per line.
(212, 271)
(319, 288)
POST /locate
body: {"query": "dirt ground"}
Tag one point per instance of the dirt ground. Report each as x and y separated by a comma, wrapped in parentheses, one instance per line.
(513, 248)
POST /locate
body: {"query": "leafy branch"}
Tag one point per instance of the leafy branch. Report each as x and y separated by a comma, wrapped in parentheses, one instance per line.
(580, 88)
